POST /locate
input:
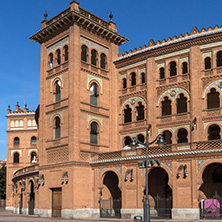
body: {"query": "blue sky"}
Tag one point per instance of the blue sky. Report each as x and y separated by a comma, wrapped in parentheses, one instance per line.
(139, 21)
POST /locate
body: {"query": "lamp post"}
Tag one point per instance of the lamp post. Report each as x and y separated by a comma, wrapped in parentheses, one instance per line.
(160, 141)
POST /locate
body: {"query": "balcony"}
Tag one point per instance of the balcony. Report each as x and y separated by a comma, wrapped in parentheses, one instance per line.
(173, 118)
(212, 112)
(95, 69)
(174, 79)
(132, 125)
(212, 71)
(135, 88)
(170, 150)
(57, 69)
(26, 172)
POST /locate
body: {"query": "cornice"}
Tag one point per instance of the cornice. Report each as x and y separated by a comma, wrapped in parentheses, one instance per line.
(73, 16)
(168, 47)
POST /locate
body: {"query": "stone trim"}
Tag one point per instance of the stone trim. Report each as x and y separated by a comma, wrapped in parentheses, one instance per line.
(185, 213)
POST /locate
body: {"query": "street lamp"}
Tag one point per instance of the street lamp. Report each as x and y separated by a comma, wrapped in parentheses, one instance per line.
(160, 141)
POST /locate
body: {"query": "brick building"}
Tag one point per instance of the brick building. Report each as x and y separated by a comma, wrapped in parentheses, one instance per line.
(93, 101)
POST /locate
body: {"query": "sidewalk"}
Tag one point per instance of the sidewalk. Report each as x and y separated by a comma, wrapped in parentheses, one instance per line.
(8, 216)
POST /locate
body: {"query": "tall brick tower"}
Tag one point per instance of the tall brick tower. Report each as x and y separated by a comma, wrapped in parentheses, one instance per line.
(78, 108)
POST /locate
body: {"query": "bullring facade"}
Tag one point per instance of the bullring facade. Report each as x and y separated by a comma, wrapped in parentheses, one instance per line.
(93, 101)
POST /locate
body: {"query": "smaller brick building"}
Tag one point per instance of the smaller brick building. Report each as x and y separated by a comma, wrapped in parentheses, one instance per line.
(21, 152)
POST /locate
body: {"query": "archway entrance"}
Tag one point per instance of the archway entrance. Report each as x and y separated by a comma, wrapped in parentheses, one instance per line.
(160, 193)
(210, 192)
(31, 199)
(110, 199)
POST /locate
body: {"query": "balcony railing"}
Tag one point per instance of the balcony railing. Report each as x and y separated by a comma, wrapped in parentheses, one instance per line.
(155, 150)
(93, 17)
(173, 79)
(212, 71)
(26, 170)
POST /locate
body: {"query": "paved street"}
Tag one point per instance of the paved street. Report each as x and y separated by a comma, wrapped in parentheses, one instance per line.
(9, 216)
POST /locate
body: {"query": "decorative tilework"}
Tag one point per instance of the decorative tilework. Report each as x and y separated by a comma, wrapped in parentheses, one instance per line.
(133, 101)
(59, 44)
(119, 169)
(142, 70)
(52, 116)
(169, 165)
(133, 134)
(172, 54)
(216, 85)
(173, 93)
(32, 150)
(208, 123)
(173, 128)
(18, 151)
(207, 54)
(123, 76)
(92, 117)
(92, 44)
(161, 65)
(60, 77)
(185, 59)
(100, 170)
(132, 65)
(99, 80)
(200, 162)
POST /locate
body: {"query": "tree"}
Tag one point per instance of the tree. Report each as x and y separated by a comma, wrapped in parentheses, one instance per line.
(3, 182)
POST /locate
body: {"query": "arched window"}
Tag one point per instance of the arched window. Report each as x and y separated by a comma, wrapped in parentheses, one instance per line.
(140, 112)
(66, 53)
(173, 68)
(133, 79)
(219, 59)
(94, 133)
(16, 141)
(127, 114)
(166, 106)
(16, 157)
(207, 63)
(167, 135)
(182, 136)
(143, 78)
(33, 140)
(127, 140)
(33, 157)
(51, 62)
(213, 100)
(94, 94)
(57, 127)
(184, 68)
(182, 104)
(214, 132)
(57, 91)
(162, 73)
(58, 57)
(124, 83)
(94, 57)
(103, 61)
(84, 53)
(141, 138)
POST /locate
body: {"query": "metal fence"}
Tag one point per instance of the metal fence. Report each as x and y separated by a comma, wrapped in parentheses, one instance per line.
(110, 208)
